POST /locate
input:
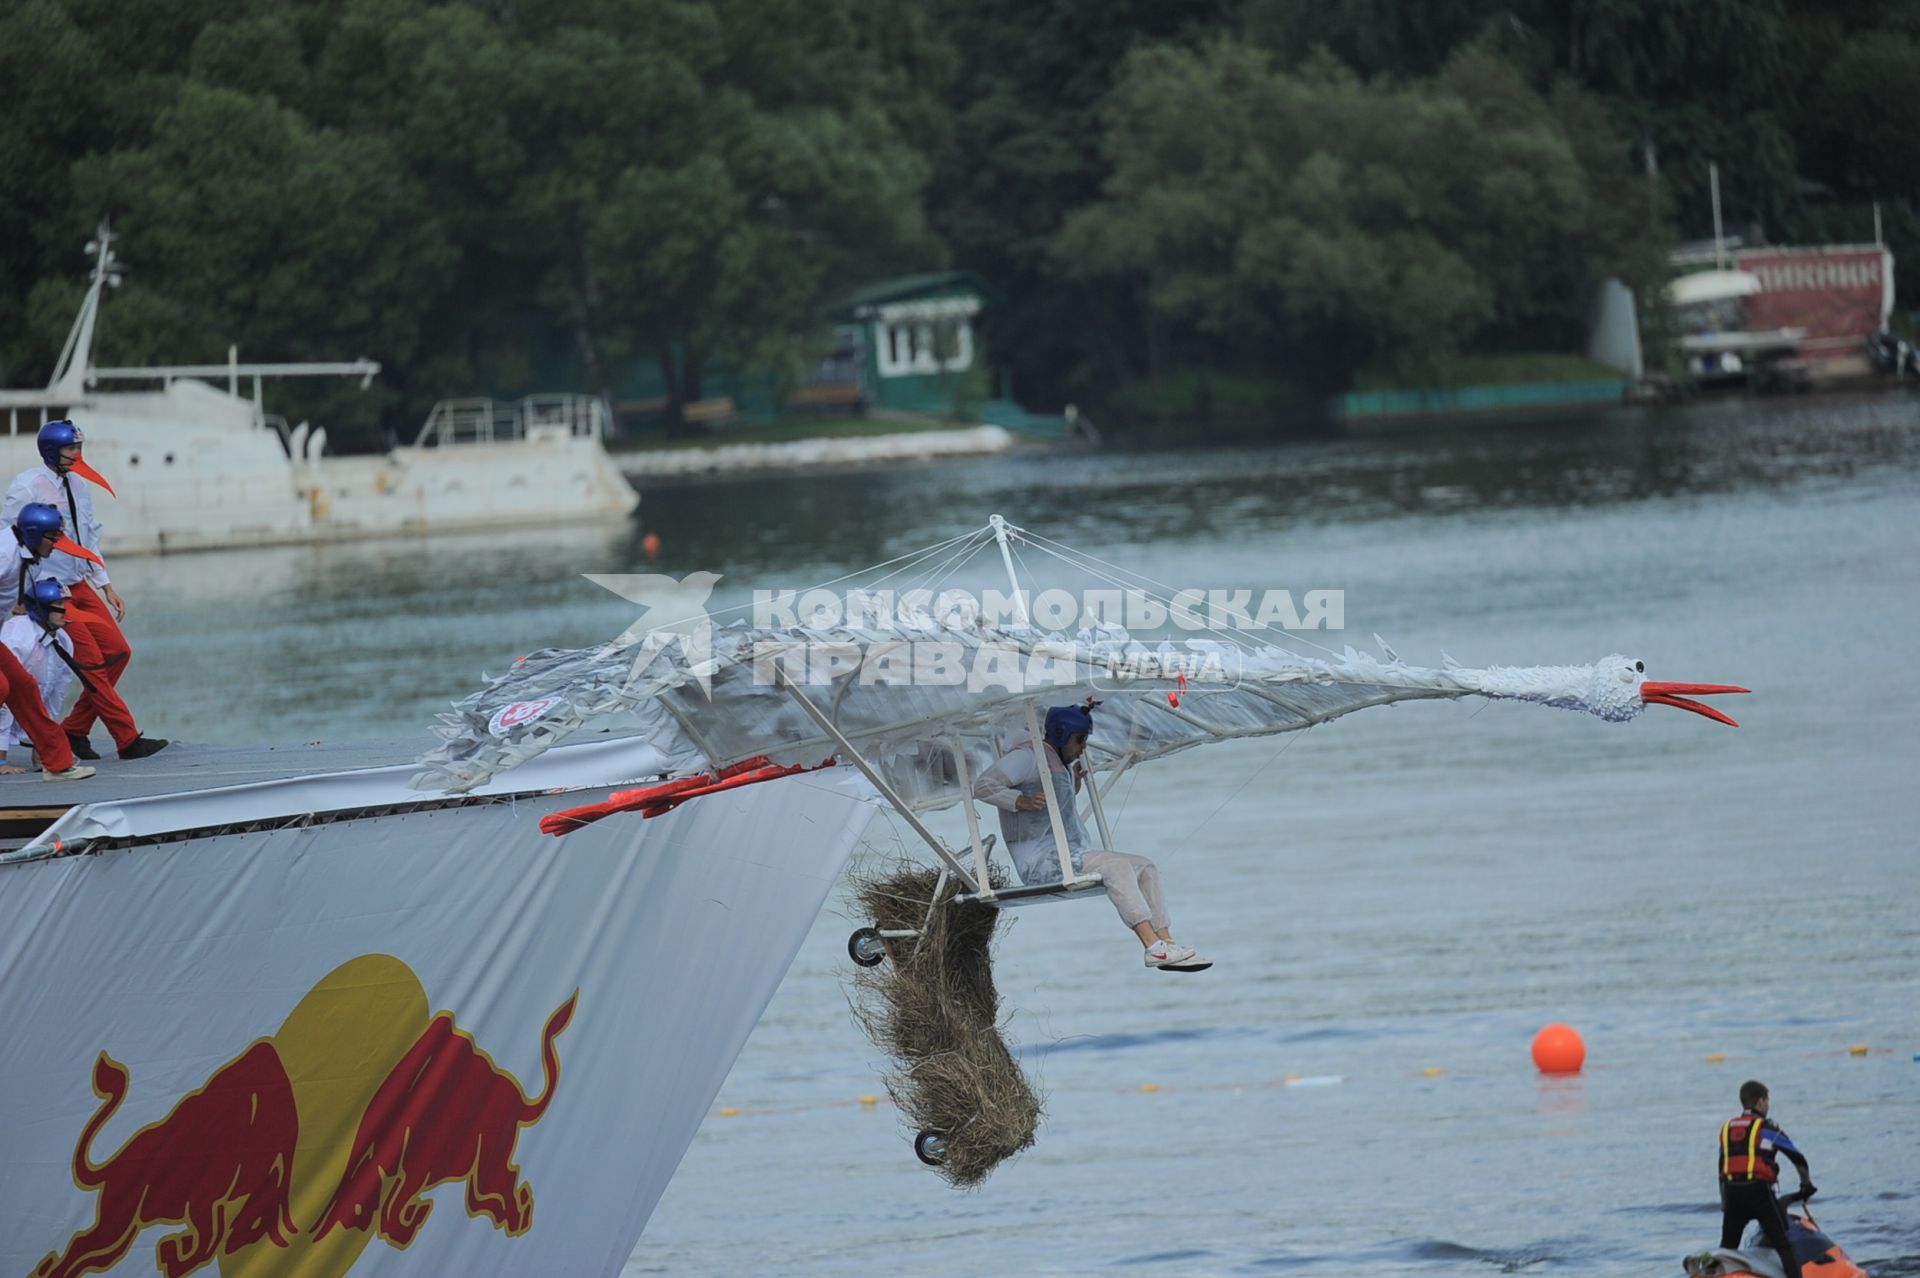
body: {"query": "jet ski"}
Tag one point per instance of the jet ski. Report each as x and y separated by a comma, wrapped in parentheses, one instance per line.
(1819, 1255)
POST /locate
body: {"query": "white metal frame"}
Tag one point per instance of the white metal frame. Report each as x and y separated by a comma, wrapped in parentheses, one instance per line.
(887, 792)
(979, 881)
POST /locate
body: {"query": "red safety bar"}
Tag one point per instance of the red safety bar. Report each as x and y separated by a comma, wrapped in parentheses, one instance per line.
(654, 800)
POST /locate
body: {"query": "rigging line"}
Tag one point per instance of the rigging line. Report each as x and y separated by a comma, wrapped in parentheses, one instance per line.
(953, 567)
(958, 559)
(1235, 637)
(916, 556)
(1285, 746)
(920, 563)
(926, 569)
(1062, 550)
(925, 552)
(1132, 781)
(1231, 638)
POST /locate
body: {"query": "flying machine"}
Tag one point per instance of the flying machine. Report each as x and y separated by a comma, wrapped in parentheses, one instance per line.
(919, 687)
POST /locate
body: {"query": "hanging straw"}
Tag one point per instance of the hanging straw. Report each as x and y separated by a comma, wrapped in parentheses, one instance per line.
(933, 1008)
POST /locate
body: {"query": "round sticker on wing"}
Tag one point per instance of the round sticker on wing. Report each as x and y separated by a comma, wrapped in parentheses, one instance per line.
(507, 718)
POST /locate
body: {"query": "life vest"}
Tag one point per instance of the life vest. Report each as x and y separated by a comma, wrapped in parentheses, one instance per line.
(1742, 1157)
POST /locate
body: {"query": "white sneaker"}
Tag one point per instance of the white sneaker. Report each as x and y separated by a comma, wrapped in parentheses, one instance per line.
(1168, 953)
(75, 773)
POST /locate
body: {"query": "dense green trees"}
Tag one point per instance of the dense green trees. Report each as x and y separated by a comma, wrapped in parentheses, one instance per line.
(477, 191)
(444, 187)
(1345, 223)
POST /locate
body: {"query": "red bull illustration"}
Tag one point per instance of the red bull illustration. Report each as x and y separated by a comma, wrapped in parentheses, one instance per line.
(219, 1164)
(336, 1124)
(445, 1113)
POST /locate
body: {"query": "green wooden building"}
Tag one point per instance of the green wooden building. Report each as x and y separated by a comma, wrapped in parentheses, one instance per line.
(911, 344)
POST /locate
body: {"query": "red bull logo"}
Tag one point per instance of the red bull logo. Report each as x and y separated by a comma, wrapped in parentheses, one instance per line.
(299, 1151)
(444, 1113)
(218, 1163)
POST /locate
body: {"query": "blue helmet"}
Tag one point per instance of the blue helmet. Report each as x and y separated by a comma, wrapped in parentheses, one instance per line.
(43, 596)
(35, 520)
(55, 436)
(1064, 722)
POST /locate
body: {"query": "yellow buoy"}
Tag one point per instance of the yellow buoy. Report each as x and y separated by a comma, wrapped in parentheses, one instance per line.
(1149, 1087)
(1433, 1071)
(729, 1112)
(1858, 1049)
(1714, 1058)
(869, 1100)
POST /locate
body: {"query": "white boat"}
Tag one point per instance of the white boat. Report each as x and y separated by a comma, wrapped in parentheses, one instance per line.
(198, 466)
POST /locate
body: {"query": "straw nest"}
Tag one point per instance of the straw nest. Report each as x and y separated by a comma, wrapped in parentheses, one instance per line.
(934, 1010)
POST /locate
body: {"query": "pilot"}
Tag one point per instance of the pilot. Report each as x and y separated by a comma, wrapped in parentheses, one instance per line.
(1133, 882)
(1750, 1145)
(26, 643)
(94, 628)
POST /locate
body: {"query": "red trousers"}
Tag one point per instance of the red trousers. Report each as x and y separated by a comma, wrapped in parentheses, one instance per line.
(21, 693)
(100, 648)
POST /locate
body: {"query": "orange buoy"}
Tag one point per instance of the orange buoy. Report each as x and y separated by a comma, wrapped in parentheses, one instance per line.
(1558, 1049)
(651, 544)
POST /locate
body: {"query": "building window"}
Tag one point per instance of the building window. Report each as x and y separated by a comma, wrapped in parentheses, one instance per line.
(918, 348)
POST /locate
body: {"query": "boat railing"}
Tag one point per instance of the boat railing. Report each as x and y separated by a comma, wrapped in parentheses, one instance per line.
(27, 417)
(537, 417)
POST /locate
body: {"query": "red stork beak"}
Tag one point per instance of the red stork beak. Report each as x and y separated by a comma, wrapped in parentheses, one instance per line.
(1655, 693)
(73, 547)
(91, 475)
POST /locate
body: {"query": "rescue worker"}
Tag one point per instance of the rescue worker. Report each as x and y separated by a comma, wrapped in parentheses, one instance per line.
(27, 643)
(1750, 1145)
(94, 621)
(1133, 882)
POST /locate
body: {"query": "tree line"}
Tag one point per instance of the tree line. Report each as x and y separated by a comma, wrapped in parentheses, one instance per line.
(471, 190)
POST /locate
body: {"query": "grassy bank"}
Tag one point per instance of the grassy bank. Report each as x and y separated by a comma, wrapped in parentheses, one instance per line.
(1227, 406)
(1454, 371)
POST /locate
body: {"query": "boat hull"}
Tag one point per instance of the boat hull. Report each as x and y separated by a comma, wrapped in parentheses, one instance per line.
(434, 1039)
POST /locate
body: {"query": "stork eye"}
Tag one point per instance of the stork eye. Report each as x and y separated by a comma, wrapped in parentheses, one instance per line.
(1641, 666)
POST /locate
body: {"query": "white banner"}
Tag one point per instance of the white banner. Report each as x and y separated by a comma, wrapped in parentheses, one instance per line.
(435, 1043)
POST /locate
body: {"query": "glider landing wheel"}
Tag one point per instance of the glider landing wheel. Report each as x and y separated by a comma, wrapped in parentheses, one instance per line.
(930, 1148)
(866, 948)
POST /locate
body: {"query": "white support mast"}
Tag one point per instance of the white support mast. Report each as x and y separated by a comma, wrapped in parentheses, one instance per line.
(70, 373)
(1000, 529)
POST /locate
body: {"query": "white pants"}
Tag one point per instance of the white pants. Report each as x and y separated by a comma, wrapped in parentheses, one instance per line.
(1133, 885)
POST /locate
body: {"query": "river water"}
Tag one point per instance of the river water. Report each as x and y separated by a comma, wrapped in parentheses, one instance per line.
(1396, 902)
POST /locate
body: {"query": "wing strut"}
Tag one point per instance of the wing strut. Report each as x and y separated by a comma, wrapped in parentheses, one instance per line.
(980, 873)
(887, 792)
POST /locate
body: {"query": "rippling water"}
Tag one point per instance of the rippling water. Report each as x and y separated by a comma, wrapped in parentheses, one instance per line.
(1406, 891)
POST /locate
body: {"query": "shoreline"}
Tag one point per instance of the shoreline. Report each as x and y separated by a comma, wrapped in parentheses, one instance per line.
(925, 445)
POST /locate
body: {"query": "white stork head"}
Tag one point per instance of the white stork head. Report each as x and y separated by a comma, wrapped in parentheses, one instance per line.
(1615, 687)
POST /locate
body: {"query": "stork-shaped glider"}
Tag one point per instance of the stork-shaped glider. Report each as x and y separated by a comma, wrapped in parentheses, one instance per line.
(926, 691)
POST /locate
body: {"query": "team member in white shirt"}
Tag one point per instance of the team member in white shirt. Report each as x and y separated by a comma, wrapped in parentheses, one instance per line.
(36, 532)
(98, 643)
(1132, 881)
(34, 676)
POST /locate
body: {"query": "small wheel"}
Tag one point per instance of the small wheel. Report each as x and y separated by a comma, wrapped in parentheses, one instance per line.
(930, 1148)
(866, 948)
